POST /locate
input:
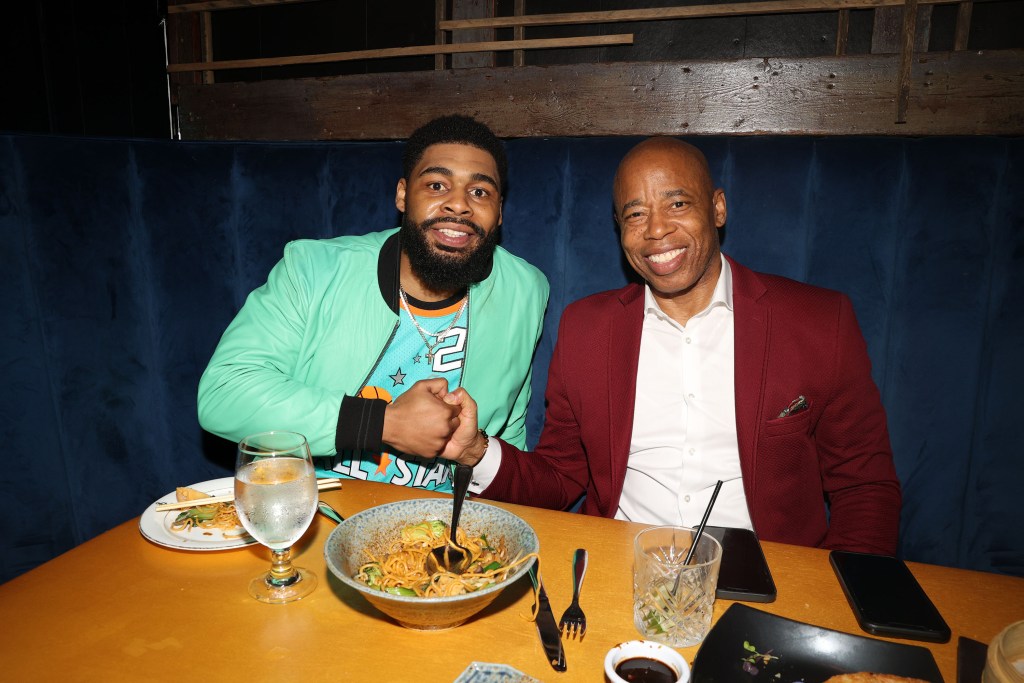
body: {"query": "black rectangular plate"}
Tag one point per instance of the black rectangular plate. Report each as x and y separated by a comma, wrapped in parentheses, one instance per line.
(805, 652)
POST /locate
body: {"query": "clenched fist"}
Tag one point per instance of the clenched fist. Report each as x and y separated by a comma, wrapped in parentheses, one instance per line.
(420, 422)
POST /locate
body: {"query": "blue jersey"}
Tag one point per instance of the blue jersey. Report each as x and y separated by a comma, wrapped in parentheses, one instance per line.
(408, 359)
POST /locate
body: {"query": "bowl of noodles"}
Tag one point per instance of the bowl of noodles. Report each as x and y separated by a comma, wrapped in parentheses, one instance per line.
(381, 553)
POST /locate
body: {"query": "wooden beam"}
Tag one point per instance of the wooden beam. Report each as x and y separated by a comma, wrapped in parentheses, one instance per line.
(595, 17)
(464, 9)
(963, 25)
(382, 53)
(440, 37)
(842, 32)
(213, 5)
(906, 55)
(686, 12)
(888, 26)
(206, 31)
(184, 44)
(953, 93)
(518, 33)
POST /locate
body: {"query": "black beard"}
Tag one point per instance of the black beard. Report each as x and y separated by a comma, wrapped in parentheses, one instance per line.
(452, 271)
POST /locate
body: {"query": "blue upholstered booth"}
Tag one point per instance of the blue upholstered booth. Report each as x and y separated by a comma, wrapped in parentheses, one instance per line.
(126, 259)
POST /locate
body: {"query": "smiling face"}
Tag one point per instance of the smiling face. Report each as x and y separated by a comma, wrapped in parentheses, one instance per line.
(452, 214)
(669, 216)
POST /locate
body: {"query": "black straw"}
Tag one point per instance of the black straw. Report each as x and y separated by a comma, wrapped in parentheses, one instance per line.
(696, 537)
(700, 529)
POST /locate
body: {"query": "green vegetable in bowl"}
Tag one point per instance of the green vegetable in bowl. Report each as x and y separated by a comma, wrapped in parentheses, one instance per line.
(372, 575)
(424, 532)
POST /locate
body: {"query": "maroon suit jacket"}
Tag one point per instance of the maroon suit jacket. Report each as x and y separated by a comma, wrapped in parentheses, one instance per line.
(821, 477)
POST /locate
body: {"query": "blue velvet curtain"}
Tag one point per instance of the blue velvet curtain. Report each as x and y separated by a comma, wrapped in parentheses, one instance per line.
(128, 258)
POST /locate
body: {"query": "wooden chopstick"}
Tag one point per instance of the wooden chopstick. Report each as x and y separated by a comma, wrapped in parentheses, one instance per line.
(321, 484)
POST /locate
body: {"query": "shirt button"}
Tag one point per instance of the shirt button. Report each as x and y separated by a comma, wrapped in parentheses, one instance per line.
(692, 451)
(686, 498)
(690, 396)
(687, 340)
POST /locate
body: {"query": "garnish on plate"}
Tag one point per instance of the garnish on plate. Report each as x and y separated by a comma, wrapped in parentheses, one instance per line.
(751, 661)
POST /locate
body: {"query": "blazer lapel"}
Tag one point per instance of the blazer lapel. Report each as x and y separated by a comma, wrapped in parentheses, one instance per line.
(626, 327)
(752, 319)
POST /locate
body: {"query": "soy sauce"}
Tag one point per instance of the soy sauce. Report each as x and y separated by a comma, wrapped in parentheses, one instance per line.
(645, 670)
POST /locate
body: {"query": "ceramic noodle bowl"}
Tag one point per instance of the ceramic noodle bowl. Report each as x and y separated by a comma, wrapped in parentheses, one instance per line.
(376, 527)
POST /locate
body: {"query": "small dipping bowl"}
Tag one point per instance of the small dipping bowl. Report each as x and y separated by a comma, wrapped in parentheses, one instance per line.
(678, 671)
(1005, 662)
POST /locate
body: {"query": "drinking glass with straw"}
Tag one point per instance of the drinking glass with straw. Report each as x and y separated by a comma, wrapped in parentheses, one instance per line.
(675, 575)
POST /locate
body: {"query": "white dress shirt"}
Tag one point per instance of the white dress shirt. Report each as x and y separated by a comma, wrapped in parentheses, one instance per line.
(684, 419)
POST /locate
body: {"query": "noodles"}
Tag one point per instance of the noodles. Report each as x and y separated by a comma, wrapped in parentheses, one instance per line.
(220, 516)
(402, 570)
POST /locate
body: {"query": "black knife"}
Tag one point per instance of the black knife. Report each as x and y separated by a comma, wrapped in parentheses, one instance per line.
(550, 638)
(970, 660)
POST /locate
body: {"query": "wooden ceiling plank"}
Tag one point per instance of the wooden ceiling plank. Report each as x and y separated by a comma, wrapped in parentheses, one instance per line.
(382, 53)
(684, 12)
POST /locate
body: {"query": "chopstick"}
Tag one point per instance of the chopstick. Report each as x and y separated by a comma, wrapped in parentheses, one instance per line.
(321, 484)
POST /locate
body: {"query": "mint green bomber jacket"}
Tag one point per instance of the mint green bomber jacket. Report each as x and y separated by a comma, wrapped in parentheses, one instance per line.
(311, 335)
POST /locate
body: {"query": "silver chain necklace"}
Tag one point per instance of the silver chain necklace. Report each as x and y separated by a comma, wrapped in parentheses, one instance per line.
(441, 335)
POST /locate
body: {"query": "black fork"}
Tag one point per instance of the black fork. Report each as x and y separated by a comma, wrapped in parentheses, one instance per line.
(574, 621)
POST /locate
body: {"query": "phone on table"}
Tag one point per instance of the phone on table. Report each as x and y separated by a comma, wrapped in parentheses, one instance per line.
(886, 598)
(743, 574)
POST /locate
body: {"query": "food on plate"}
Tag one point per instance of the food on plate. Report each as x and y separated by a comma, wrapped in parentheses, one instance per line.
(401, 569)
(183, 493)
(867, 677)
(755, 659)
(219, 516)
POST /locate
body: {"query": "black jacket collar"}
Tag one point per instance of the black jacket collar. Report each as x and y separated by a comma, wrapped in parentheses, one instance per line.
(389, 271)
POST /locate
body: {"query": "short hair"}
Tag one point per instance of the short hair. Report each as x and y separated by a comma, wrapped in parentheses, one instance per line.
(456, 129)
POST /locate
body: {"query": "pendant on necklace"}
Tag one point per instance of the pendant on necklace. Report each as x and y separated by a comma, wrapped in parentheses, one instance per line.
(430, 352)
(431, 347)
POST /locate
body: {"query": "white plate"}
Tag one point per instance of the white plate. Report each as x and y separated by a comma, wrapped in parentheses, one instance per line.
(156, 526)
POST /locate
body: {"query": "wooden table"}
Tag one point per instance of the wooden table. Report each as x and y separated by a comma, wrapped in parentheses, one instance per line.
(121, 608)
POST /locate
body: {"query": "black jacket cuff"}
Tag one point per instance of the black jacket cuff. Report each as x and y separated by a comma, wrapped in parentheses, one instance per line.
(360, 424)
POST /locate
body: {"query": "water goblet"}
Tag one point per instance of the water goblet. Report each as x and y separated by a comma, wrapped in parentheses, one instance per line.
(275, 499)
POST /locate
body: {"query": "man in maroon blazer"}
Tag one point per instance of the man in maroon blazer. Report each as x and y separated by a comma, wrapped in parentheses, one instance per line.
(709, 371)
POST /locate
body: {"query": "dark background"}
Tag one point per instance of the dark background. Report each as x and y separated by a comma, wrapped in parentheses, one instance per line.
(97, 67)
(84, 68)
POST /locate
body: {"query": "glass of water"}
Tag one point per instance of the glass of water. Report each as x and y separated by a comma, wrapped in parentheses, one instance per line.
(672, 602)
(275, 499)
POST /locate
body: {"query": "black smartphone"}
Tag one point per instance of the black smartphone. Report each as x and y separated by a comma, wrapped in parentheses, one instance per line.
(886, 598)
(743, 574)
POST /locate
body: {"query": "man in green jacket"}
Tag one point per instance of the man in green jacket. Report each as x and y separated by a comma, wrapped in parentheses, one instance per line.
(354, 341)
